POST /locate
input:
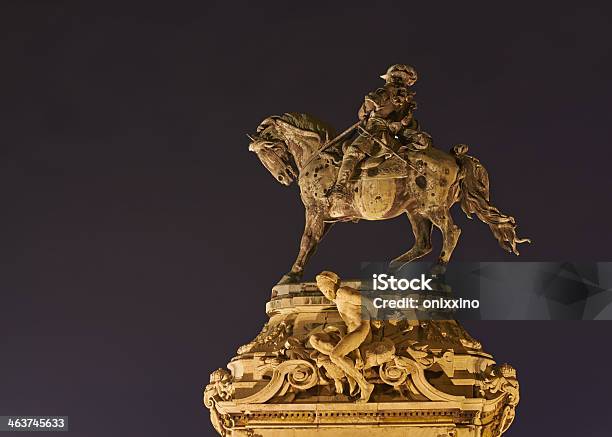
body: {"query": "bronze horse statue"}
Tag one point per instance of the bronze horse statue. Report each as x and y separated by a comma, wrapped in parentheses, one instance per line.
(424, 184)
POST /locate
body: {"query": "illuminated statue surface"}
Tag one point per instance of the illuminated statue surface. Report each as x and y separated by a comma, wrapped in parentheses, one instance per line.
(323, 364)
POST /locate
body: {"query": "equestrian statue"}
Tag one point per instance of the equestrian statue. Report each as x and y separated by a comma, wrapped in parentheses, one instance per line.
(379, 168)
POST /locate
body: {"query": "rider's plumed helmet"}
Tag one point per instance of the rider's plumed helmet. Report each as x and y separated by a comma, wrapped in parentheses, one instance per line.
(402, 73)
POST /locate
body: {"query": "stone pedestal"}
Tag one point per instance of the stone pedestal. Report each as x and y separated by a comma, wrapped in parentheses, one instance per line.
(431, 378)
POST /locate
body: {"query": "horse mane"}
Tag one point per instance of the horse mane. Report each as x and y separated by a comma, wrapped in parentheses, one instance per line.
(309, 123)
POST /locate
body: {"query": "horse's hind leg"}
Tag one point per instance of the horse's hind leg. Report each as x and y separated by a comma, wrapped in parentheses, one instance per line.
(421, 227)
(442, 219)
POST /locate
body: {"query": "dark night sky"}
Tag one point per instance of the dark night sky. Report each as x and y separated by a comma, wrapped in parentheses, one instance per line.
(140, 239)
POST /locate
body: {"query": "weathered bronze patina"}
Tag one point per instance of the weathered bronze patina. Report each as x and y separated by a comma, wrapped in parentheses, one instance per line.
(381, 167)
(326, 364)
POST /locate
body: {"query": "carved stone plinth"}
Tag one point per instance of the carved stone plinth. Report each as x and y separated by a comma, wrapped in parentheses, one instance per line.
(430, 378)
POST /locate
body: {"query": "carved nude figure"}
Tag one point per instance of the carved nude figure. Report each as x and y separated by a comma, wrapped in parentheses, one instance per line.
(348, 303)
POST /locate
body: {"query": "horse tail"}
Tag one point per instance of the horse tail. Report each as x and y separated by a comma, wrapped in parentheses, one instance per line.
(474, 198)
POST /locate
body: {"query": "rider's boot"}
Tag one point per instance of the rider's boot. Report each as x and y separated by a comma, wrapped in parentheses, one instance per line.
(338, 194)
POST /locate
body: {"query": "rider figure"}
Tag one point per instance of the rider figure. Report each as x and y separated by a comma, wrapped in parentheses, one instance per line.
(384, 113)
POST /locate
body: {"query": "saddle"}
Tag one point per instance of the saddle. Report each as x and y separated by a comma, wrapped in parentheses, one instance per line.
(387, 165)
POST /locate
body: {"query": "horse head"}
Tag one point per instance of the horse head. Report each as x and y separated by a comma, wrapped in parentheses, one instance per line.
(285, 143)
(271, 149)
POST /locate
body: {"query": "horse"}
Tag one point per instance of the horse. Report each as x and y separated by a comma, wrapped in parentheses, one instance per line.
(424, 184)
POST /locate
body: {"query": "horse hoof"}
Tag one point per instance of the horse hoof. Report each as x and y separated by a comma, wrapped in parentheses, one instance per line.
(395, 266)
(289, 278)
(437, 269)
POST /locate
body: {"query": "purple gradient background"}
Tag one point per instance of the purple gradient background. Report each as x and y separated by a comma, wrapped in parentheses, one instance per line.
(139, 239)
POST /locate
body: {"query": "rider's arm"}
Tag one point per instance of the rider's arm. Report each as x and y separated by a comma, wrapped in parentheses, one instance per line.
(372, 102)
(363, 111)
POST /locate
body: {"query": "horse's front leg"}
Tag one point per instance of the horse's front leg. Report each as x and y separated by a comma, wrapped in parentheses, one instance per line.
(314, 229)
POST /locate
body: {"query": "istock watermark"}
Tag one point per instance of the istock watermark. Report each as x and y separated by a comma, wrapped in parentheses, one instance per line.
(384, 282)
(553, 290)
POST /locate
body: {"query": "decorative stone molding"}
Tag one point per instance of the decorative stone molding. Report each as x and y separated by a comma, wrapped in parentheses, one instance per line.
(425, 378)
